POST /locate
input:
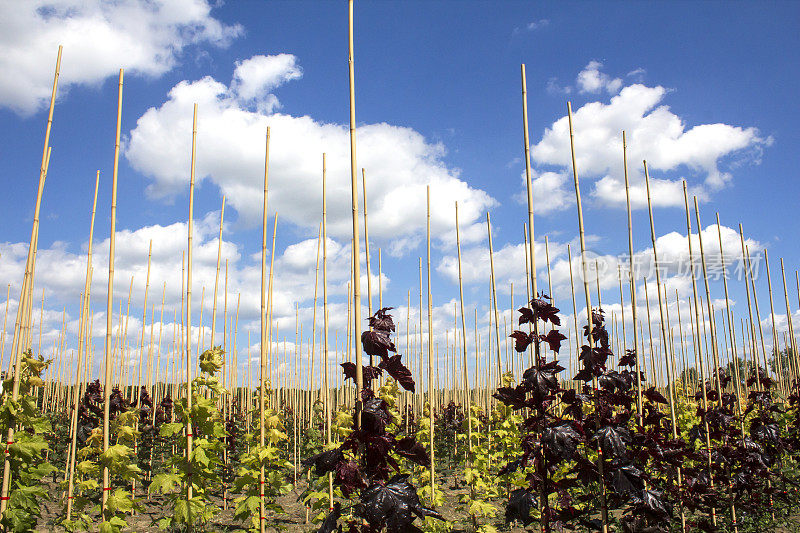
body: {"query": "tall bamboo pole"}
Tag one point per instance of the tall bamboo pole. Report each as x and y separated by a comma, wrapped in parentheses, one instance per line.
(664, 336)
(582, 236)
(632, 276)
(494, 294)
(263, 341)
(81, 346)
(28, 282)
(188, 325)
(109, 302)
(356, 241)
(327, 403)
(430, 346)
(714, 347)
(366, 249)
(216, 277)
(314, 326)
(5, 321)
(464, 338)
(529, 189)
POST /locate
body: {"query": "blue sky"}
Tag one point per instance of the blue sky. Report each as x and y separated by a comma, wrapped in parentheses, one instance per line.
(705, 90)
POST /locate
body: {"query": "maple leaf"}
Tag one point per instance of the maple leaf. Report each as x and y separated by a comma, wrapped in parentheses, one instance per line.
(395, 368)
(553, 339)
(520, 504)
(412, 450)
(324, 462)
(561, 441)
(382, 320)
(377, 342)
(522, 340)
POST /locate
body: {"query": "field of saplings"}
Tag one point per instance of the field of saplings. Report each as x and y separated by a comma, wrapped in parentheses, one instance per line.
(607, 422)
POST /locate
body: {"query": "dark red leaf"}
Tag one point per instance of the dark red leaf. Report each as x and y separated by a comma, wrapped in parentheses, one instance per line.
(382, 320)
(553, 338)
(377, 342)
(395, 368)
(412, 450)
(522, 340)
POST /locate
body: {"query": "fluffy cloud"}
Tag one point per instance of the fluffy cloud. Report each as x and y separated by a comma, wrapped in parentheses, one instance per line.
(399, 162)
(99, 38)
(255, 77)
(673, 256)
(61, 272)
(538, 24)
(654, 133)
(591, 80)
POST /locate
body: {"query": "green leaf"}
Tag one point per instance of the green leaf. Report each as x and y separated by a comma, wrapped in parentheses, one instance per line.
(168, 430)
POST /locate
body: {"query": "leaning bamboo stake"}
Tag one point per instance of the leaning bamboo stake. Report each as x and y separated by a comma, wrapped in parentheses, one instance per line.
(529, 188)
(494, 294)
(582, 236)
(81, 333)
(109, 302)
(327, 404)
(366, 247)
(758, 313)
(464, 339)
(714, 347)
(745, 265)
(5, 322)
(664, 336)
(188, 325)
(141, 343)
(431, 392)
(216, 277)
(728, 311)
(696, 342)
(29, 265)
(789, 319)
(314, 325)
(775, 352)
(632, 276)
(263, 341)
(356, 322)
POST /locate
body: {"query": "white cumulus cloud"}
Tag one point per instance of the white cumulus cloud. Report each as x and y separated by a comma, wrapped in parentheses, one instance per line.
(399, 161)
(99, 38)
(674, 151)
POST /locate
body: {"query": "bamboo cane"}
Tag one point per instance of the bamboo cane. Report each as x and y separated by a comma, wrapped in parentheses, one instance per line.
(529, 189)
(327, 404)
(729, 313)
(81, 333)
(356, 242)
(366, 249)
(664, 337)
(20, 330)
(314, 323)
(110, 294)
(141, 343)
(603, 504)
(494, 293)
(188, 325)
(464, 337)
(749, 308)
(216, 276)
(430, 346)
(775, 352)
(5, 321)
(789, 319)
(714, 349)
(632, 276)
(263, 339)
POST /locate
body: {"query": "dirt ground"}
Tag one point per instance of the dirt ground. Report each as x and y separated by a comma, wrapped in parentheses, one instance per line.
(292, 520)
